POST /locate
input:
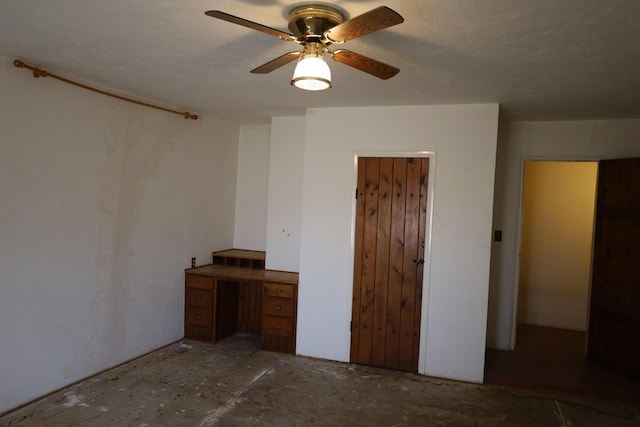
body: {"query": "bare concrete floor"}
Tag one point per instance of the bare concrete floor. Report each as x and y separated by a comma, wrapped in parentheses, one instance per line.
(234, 384)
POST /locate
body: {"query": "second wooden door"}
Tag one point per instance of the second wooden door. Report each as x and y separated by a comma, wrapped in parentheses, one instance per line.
(614, 321)
(389, 261)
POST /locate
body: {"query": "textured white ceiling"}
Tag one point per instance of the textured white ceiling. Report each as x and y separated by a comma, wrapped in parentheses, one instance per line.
(540, 59)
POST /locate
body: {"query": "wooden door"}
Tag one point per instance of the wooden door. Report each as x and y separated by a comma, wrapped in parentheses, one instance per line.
(614, 320)
(388, 263)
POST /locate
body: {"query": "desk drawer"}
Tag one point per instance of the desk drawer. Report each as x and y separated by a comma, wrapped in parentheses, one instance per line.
(198, 297)
(279, 290)
(198, 281)
(277, 325)
(278, 307)
(197, 316)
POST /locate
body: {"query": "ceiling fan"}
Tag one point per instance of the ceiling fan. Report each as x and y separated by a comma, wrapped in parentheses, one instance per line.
(316, 27)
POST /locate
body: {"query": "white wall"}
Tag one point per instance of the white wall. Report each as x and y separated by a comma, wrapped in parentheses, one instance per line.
(251, 199)
(286, 166)
(463, 138)
(577, 140)
(557, 231)
(103, 205)
(269, 195)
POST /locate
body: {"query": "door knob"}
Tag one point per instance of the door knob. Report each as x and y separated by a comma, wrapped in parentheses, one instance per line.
(419, 261)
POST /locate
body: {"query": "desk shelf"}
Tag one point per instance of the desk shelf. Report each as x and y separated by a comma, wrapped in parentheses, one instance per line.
(239, 258)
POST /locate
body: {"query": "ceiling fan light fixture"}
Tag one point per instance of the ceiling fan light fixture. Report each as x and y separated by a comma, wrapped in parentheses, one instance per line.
(312, 71)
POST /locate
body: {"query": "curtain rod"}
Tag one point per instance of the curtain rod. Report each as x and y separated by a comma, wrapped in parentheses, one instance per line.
(38, 72)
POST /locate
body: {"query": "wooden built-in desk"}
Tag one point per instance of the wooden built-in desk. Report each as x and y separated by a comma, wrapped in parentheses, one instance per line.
(221, 300)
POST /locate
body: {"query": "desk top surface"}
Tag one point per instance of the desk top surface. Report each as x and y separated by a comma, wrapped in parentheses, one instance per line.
(239, 273)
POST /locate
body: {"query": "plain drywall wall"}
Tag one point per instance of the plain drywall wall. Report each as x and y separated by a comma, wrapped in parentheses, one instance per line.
(463, 138)
(286, 162)
(517, 141)
(103, 205)
(557, 231)
(251, 199)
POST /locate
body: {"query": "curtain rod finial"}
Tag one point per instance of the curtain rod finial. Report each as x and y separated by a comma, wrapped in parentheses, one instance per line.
(18, 63)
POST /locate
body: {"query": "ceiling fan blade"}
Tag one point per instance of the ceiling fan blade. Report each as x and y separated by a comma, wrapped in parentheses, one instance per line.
(276, 63)
(250, 24)
(374, 20)
(363, 63)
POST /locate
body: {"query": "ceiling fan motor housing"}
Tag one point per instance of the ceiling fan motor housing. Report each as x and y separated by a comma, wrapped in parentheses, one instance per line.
(311, 21)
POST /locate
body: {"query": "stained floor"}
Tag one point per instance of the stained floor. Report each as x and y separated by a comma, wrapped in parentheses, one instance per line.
(234, 384)
(553, 360)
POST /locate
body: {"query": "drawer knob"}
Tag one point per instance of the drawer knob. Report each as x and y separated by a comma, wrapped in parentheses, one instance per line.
(198, 316)
(198, 298)
(278, 307)
(277, 326)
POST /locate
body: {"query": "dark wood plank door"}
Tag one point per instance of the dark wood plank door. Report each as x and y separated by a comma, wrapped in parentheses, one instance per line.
(388, 261)
(614, 318)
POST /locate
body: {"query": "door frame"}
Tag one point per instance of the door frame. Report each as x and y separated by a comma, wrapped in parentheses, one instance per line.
(424, 310)
(516, 293)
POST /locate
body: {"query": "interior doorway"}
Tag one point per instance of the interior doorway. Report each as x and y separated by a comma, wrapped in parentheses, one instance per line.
(556, 287)
(558, 206)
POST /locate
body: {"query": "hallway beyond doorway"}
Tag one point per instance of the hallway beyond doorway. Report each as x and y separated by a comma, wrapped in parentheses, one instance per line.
(552, 360)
